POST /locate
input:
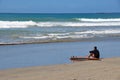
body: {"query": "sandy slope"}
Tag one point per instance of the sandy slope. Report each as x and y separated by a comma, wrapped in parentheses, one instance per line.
(106, 69)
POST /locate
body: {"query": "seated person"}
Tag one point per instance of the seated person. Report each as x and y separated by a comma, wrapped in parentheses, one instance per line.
(94, 54)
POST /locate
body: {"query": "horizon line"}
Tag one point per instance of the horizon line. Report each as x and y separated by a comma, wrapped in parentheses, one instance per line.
(56, 13)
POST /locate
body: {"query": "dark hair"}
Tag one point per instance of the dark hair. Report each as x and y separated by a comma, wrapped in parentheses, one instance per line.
(95, 47)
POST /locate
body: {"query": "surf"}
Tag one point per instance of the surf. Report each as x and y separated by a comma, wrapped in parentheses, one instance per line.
(28, 24)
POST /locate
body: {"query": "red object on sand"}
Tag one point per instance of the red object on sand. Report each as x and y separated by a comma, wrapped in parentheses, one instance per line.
(82, 58)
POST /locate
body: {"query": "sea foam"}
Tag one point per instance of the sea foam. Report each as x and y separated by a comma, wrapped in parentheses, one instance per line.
(82, 23)
(75, 35)
(99, 19)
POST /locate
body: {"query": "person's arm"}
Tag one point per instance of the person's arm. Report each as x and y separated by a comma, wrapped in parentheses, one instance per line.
(91, 55)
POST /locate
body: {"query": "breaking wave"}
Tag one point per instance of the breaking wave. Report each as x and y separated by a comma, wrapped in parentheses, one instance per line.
(83, 22)
(99, 20)
(84, 34)
(62, 37)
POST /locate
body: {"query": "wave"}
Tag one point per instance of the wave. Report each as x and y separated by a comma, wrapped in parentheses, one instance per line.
(75, 35)
(99, 20)
(26, 24)
(16, 24)
(62, 37)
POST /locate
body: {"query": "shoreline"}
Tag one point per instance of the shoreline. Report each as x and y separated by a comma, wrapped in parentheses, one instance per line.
(106, 69)
(20, 56)
(62, 41)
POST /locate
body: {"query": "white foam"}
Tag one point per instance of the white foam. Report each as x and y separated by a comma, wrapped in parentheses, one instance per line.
(99, 20)
(25, 24)
(34, 37)
(16, 24)
(99, 32)
(74, 35)
(75, 24)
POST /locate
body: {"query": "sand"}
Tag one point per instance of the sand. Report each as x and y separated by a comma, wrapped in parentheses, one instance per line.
(106, 69)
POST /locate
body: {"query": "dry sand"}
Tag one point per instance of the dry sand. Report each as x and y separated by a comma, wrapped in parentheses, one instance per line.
(106, 69)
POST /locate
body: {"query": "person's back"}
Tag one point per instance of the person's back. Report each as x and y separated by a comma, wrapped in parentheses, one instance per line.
(96, 52)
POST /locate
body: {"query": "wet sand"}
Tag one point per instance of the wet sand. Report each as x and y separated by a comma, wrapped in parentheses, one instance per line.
(106, 69)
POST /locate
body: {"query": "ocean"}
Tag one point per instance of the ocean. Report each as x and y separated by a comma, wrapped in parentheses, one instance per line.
(64, 35)
(27, 28)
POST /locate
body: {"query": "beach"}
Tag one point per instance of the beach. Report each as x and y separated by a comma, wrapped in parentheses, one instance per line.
(48, 62)
(106, 69)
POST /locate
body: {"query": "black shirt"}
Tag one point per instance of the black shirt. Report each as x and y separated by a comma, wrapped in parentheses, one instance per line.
(96, 53)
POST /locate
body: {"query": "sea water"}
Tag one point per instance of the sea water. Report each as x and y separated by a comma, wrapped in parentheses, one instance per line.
(22, 28)
(77, 34)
